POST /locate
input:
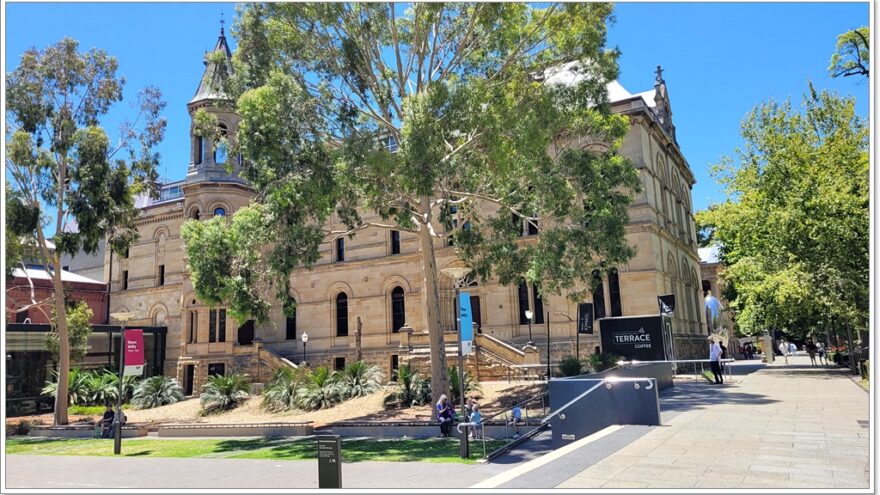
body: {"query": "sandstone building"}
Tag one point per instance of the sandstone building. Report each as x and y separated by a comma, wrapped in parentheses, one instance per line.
(373, 281)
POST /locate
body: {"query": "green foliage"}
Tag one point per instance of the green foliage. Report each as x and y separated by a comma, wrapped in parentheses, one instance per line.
(78, 386)
(571, 366)
(320, 391)
(603, 361)
(103, 387)
(359, 379)
(79, 316)
(157, 391)
(470, 385)
(411, 388)
(94, 410)
(852, 55)
(795, 233)
(224, 392)
(281, 393)
(61, 165)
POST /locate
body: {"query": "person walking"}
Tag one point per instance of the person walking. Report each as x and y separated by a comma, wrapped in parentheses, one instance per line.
(477, 418)
(820, 349)
(792, 348)
(715, 361)
(517, 419)
(783, 349)
(811, 350)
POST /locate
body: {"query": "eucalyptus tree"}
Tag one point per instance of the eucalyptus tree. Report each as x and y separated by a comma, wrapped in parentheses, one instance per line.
(64, 169)
(459, 122)
(852, 56)
(795, 232)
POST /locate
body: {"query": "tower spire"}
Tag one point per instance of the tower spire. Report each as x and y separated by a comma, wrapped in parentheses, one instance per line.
(222, 22)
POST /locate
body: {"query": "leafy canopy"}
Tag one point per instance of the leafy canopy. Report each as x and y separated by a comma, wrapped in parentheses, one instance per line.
(852, 56)
(795, 231)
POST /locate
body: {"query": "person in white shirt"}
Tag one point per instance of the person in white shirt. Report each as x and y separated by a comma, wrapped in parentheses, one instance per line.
(783, 349)
(715, 361)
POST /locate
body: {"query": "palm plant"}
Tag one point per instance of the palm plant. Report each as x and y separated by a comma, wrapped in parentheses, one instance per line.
(359, 379)
(78, 391)
(224, 392)
(603, 360)
(280, 393)
(411, 388)
(103, 387)
(570, 366)
(321, 389)
(156, 391)
(470, 385)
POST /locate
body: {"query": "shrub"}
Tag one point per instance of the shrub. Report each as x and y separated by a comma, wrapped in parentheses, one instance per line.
(359, 379)
(470, 385)
(103, 387)
(411, 389)
(78, 390)
(570, 366)
(866, 369)
(320, 391)
(157, 391)
(281, 392)
(708, 376)
(603, 361)
(224, 392)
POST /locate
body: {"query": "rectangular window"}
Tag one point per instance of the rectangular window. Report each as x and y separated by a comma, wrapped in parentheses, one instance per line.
(221, 325)
(598, 296)
(290, 330)
(212, 326)
(193, 327)
(339, 364)
(125, 280)
(21, 316)
(65, 268)
(395, 242)
(161, 275)
(614, 292)
(395, 365)
(340, 249)
(533, 227)
(127, 252)
(523, 293)
(538, 304)
(216, 369)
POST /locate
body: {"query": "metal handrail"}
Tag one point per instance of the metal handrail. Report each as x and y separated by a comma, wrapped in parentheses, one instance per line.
(701, 361)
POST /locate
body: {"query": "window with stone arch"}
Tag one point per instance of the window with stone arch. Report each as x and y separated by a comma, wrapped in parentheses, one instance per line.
(342, 314)
(398, 309)
(220, 147)
(695, 293)
(663, 173)
(219, 211)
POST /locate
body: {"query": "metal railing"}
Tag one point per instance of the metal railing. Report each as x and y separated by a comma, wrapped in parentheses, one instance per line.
(510, 421)
(725, 365)
(545, 419)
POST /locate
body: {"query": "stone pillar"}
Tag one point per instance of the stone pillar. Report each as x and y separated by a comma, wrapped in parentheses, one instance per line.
(406, 332)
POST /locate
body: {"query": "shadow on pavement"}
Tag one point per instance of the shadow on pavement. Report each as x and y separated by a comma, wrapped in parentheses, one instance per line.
(685, 396)
(532, 449)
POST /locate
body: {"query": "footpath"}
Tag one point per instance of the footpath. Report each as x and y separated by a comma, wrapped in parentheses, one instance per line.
(780, 426)
(783, 426)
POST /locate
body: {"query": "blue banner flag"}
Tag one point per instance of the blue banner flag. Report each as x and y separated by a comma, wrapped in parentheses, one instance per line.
(466, 322)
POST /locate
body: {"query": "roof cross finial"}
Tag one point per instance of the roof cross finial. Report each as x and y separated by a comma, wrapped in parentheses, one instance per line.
(222, 22)
(659, 78)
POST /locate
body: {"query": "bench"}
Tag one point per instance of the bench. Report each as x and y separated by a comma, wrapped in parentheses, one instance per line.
(83, 431)
(297, 429)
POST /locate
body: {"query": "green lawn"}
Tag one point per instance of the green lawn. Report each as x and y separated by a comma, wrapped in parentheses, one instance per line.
(402, 450)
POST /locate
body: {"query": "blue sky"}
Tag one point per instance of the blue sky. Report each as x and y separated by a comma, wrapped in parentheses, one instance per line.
(719, 60)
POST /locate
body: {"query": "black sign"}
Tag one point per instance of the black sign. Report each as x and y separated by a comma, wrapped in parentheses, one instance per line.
(667, 303)
(329, 462)
(585, 318)
(639, 337)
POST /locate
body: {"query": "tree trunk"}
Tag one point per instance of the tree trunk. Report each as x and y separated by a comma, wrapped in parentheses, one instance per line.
(431, 301)
(60, 417)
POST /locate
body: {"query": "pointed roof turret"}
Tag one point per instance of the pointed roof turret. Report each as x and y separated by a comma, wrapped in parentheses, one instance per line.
(216, 70)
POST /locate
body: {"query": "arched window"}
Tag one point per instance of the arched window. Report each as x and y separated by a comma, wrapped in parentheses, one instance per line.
(199, 150)
(219, 212)
(290, 327)
(598, 296)
(195, 214)
(614, 292)
(220, 148)
(342, 315)
(398, 309)
(537, 303)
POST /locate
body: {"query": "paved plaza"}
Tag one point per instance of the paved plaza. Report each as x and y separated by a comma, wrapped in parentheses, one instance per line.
(779, 426)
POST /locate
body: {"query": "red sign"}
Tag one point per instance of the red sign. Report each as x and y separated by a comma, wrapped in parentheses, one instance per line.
(134, 352)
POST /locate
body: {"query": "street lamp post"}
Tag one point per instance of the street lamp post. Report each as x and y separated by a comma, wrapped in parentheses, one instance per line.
(529, 316)
(122, 318)
(305, 340)
(457, 274)
(548, 347)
